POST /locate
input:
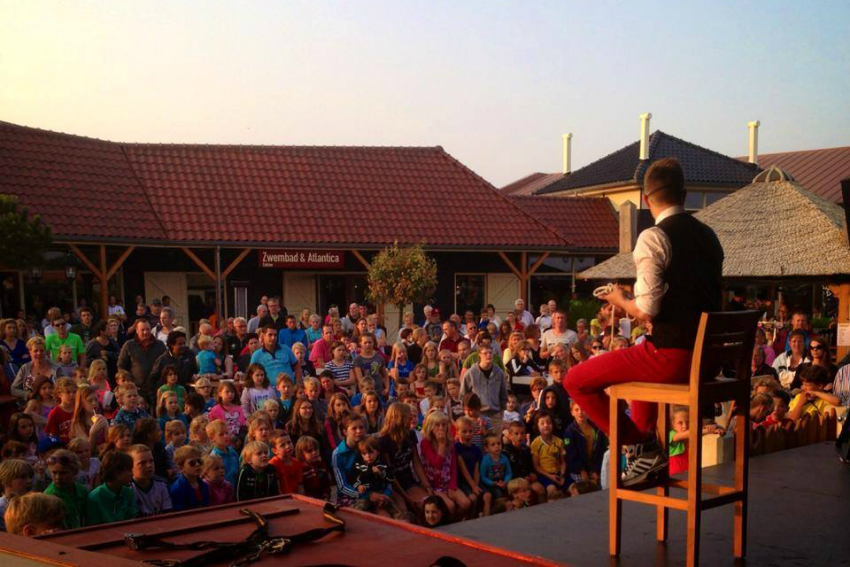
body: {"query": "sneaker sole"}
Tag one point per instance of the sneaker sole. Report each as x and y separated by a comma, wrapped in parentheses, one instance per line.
(656, 474)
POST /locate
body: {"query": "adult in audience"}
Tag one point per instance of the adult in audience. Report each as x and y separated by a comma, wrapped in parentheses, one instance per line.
(276, 316)
(84, 327)
(523, 315)
(103, 347)
(321, 352)
(177, 355)
(238, 339)
(138, 356)
(254, 322)
(275, 357)
(165, 324)
(559, 333)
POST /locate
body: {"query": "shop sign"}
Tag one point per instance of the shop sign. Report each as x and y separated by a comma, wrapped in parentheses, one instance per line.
(302, 258)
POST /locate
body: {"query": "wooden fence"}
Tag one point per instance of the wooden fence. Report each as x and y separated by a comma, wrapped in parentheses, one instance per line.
(815, 429)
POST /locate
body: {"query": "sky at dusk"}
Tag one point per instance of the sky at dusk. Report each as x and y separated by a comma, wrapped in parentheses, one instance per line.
(495, 83)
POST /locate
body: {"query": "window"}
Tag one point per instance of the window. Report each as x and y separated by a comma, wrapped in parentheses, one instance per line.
(693, 200)
(470, 291)
(711, 198)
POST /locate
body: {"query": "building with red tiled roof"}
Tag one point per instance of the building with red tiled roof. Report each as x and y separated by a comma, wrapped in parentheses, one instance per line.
(155, 214)
(819, 171)
(530, 184)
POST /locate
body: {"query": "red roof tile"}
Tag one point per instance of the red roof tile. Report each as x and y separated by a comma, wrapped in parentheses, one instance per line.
(819, 171)
(81, 187)
(585, 222)
(260, 194)
(529, 184)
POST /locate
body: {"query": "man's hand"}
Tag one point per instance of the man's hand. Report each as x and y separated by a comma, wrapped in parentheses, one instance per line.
(361, 489)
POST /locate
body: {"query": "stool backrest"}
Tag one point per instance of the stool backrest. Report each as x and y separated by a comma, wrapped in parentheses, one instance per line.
(724, 340)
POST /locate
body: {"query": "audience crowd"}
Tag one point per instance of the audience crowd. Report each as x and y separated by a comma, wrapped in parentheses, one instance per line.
(448, 419)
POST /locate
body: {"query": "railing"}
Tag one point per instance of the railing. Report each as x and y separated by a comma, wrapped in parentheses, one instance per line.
(806, 431)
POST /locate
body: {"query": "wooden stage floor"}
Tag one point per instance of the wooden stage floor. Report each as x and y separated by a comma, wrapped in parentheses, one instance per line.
(799, 515)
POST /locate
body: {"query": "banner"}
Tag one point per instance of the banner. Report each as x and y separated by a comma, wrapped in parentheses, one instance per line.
(302, 258)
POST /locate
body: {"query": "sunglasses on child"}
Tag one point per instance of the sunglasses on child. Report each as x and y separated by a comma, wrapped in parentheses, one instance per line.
(60, 460)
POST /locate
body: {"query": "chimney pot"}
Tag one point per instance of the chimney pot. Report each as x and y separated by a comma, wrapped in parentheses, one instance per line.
(754, 141)
(644, 135)
(568, 153)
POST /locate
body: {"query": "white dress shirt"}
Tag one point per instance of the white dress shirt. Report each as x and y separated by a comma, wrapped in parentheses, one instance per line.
(652, 257)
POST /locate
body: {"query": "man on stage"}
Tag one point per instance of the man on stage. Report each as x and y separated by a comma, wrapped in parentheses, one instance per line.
(679, 266)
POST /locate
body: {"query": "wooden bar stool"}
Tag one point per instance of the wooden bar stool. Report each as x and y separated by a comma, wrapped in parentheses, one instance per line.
(723, 340)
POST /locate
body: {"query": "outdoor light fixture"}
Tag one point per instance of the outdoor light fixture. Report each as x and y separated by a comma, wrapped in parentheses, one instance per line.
(35, 273)
(71, 264)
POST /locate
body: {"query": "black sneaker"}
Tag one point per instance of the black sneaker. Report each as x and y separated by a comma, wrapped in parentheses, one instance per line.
(647, 464)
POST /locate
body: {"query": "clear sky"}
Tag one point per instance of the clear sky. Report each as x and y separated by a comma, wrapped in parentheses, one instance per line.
(496, 83)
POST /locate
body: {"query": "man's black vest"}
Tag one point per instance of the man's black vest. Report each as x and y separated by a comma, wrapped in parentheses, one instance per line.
(693, 279)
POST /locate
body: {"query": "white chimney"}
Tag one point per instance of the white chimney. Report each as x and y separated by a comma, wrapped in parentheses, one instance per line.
(644, 135)
(754, 141)
(568, 151)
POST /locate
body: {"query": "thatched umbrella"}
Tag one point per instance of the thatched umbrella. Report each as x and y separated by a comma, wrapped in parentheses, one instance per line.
(772, 229)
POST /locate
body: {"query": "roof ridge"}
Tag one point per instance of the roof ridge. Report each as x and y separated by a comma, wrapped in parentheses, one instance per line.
(505, 198)
(552, 198)
(693, 145)
(56, 133)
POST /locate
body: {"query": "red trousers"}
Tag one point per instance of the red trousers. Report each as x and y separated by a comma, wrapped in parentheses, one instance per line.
(587, 381)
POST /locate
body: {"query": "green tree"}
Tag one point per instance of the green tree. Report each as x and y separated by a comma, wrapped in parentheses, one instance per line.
(401, 276)
(23, 238)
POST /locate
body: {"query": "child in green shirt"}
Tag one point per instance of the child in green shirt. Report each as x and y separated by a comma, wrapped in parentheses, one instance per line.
(114, 500)
(64, 466)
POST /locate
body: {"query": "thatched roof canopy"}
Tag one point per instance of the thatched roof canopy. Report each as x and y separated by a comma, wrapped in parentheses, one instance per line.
(772, 228)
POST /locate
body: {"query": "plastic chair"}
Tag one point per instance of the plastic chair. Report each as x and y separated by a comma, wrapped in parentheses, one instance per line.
(723, 340)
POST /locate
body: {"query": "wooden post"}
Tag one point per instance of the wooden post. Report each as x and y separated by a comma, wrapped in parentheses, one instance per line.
(104, 284)
(842, 292)
(218, 307)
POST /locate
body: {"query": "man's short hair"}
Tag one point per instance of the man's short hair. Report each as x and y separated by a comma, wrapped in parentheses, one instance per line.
(797, 333)
(172, 337)
(664, 180)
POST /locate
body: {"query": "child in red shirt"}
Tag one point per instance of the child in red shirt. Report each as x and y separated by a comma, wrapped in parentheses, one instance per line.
(314, 474)
(287, 466)
(61, 416)
(781, 401)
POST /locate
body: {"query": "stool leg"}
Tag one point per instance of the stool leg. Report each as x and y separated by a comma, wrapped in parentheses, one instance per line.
(694, 481)
(742, 464)
(615, 505)
(661, 512)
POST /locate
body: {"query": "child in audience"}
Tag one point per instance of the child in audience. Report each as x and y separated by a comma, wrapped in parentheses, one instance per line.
(439, 462)
(304, 422)
(519, 491)
(419, 378)
(551, 402)
(760, 407)
(221, 447)
(227, 410)
(469, 461)
(338, 410)
(314, 474)
(373, 479)
(495, 469)
(313, 389)
(286, 391)
(62, 415)
(678, 436)
(287, 466)
(40, 403)
(118, 438)
(519, 456)
(99, 380)
(189, 491)
(343, 459)
(194, 406)
(372, 412)
(482, 423)
(168, 410)
(198, 434)
(257, 389)
(812, 399)
(152, 492)
(585, 446)
(66, 365)
(272, 409)
(208, 363)
(22, 430)
(170, 384)
(130, 411)
(221, 491)
(435, 512)
(511, 412)
(779, 416)
(114, 500)
(454, 404)
(259, 428)
(34, 514)
(89, 473)
(16, 477)
(257, 478)
(431, 388)
(175, 437)
(148, 433)
(549, 457)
